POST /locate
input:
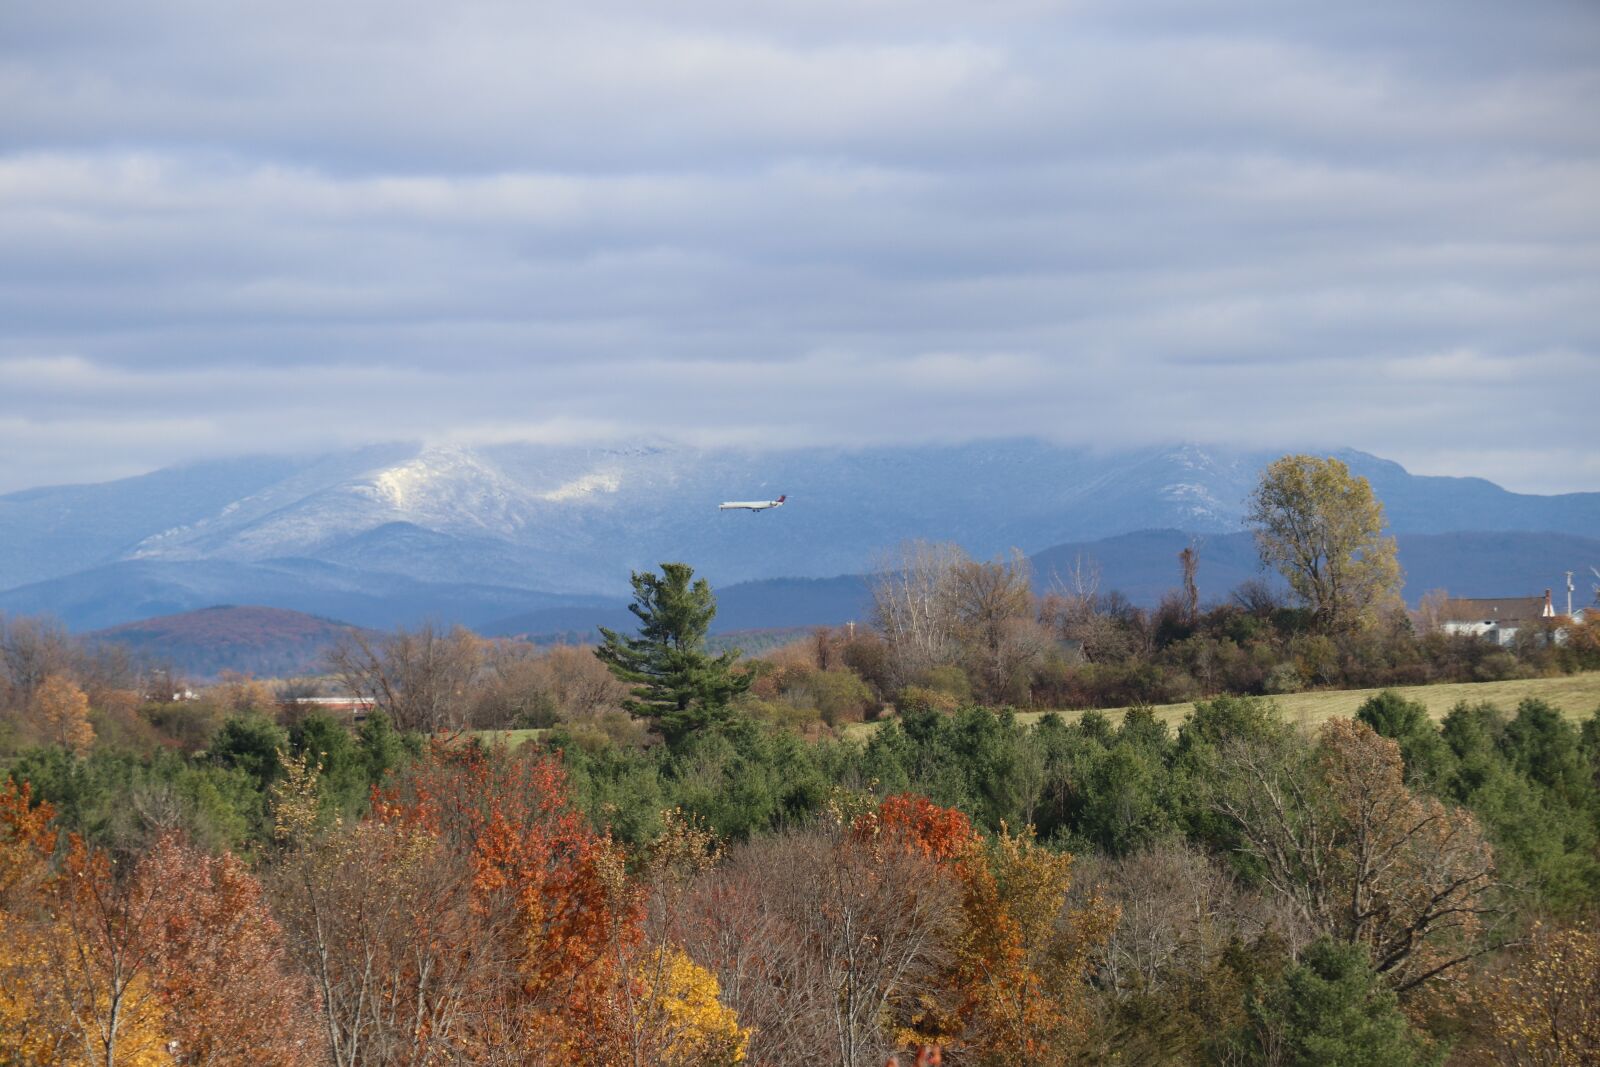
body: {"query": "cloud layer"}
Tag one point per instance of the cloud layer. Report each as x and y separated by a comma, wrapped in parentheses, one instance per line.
(246, 227)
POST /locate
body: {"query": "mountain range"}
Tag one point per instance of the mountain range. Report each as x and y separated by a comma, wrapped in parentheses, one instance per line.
(512, 536)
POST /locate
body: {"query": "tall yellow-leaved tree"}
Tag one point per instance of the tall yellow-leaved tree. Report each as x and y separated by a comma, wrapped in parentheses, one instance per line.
(63, 712)
(1323, 529)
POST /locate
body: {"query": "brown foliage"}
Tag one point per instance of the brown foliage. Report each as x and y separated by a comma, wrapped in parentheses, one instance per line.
(531, 686)
(1362, 857)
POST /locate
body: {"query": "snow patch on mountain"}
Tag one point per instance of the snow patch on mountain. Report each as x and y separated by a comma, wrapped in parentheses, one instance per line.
(585, 487)
(448, 488)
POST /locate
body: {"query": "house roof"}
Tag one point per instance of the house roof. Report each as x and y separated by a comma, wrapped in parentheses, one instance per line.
(1493, 609)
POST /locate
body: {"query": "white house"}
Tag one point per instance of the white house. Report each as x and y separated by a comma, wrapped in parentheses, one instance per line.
(1496, 618)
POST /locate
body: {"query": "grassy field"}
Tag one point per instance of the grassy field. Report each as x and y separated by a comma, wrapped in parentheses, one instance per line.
(512, 738)
(1576, 695)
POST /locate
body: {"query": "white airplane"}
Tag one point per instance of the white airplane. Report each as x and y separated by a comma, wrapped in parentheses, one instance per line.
(752, 505)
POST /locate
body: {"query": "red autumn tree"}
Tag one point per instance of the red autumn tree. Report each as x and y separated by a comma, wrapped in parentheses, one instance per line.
(174, 960)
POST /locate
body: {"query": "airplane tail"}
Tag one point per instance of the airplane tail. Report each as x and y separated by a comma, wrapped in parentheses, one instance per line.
(781, 499)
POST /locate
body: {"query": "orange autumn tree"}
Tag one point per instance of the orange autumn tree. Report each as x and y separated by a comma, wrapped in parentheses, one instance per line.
(174, 960)
(541, 880)
(1021, 958)
(518, 905)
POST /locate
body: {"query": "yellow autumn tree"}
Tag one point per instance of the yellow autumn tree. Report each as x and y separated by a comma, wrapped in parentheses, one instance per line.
(63, 998)
(1025, 956)
(690, 1026)
(28, 1033)
(101, 960)
(1323, 529)
(1544, 1006)
(62, 710)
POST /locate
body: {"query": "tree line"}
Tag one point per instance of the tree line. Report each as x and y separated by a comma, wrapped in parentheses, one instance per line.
(1381, 890)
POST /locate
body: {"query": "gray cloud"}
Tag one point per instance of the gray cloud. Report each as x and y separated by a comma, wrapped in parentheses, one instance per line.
(234, 228)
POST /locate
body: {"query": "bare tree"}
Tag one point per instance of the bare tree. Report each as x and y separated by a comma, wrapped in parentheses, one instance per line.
(1430, 610)
(995, 625)
(1360, 856)
(421, 678)
(378, 917)
(31, 650)
(913, 606)
(1189, 560)
(1179, 909)
(1258, 598)
(1104, 627)
(936, 607)
(822, 943)
(537, 686)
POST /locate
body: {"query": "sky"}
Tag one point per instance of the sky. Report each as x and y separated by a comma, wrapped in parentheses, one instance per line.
(284, 227)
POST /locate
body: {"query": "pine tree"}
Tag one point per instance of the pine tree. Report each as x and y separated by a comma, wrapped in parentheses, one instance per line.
(1332, 1009)
(678, 685)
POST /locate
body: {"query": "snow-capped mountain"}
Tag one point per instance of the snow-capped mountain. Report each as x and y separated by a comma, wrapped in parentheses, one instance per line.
(533, 520)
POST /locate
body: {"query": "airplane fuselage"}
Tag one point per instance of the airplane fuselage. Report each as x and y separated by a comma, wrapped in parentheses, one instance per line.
(751, 505)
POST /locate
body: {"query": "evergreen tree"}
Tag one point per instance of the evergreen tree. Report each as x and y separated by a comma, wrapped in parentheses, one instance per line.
(251, 743)
(1428, 757)
(1332, 1010)
(678, 684)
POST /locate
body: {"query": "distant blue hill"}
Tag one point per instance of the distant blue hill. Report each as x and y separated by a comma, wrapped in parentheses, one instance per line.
(1141, 565)
(140, 589)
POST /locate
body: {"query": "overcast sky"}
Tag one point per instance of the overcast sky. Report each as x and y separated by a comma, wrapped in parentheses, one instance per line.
(270, 226)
